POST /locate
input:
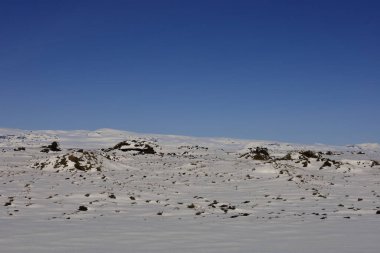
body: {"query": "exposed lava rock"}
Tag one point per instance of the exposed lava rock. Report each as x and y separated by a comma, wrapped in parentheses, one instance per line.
(327, 163)
(259, 153)
(141, 147)
(54, 146)
(84, 161)
(310, 154)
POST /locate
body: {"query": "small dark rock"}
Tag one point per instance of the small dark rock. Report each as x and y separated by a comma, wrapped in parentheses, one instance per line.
(326, 164)
(82, 208)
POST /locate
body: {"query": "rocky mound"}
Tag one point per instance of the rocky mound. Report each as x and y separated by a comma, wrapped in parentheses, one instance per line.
(75, 160)
(310, 154)
(140, 147)
(259, 153)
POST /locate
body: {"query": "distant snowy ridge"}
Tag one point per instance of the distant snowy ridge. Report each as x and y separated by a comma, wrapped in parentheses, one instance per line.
(107, 136)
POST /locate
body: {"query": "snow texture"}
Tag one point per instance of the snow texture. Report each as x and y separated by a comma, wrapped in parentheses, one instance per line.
(117, 191)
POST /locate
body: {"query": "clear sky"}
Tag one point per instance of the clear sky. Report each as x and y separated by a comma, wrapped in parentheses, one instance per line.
(300, 71)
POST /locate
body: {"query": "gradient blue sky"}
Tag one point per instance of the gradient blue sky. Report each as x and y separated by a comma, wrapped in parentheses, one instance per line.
(299, 71)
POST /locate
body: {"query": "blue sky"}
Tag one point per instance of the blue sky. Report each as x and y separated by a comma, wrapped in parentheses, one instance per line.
(299, 71)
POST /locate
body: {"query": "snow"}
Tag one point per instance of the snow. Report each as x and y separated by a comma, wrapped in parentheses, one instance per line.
(130, 235)
(192, 195)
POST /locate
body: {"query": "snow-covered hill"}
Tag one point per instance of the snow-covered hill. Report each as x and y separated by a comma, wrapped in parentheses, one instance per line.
(117, 191)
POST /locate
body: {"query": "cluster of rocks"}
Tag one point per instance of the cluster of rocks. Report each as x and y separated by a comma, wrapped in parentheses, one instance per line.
(74, 160)
(88, 160)
(259, 153)
(54, 146)
(327, 162)
(196, 147)
(140, 147)
(303, 157)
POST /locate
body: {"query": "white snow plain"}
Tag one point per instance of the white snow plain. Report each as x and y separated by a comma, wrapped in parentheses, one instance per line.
(188, 195)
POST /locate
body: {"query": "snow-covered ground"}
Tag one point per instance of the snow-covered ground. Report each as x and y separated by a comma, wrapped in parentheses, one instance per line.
(116, 191)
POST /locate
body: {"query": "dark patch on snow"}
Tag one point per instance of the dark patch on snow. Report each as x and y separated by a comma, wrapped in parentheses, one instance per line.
(54, 146)
(140, 146)
(259, 153)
